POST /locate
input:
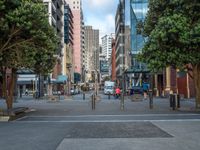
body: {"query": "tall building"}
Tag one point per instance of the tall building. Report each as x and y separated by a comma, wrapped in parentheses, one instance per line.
(56, 19)
(68, 25)
(91, 48)
(169, 79)
(138, 11)
(76, 8)
(68, 53)
(119, 39)
(107, 45)
(113, 62)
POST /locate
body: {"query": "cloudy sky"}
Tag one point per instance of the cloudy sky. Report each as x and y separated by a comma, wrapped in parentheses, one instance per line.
(100, 14)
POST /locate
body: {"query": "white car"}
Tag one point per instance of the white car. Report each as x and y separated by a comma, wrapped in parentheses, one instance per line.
(109, 90)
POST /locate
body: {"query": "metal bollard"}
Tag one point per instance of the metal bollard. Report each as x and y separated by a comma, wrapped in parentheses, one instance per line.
(93, 101)
(108, 95)
(83, 96)
(150, 99)
(178, 101)
(174, 102)
(170, 100)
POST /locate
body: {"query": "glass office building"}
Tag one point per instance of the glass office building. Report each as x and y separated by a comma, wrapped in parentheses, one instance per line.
(135, 12)
(138, 11)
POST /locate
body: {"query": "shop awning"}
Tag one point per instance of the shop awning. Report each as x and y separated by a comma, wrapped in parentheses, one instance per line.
(61, 79)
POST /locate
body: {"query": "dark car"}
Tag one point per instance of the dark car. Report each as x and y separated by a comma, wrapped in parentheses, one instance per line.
(136, 90)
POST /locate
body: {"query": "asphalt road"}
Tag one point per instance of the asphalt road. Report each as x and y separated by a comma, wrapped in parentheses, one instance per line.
(72, 125)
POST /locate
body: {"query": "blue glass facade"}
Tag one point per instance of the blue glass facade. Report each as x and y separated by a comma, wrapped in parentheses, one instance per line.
(68, 27)
(138, 11)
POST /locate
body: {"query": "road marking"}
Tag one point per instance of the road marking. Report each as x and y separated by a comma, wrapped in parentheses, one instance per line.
(21, 118)
(109, 121)
(79, 116)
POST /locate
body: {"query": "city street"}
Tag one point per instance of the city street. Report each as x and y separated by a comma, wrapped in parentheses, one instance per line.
(72, 124)
(99, 75)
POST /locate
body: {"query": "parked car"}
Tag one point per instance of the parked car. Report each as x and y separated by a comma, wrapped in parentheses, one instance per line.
(72, 92)
(137, 90)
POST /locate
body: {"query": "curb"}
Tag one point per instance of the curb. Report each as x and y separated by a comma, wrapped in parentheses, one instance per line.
(4, 118)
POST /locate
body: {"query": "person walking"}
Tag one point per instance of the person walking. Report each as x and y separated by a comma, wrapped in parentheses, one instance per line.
(145, 88)
(117, 92)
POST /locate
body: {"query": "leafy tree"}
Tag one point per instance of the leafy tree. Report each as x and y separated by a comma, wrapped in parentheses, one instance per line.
(27, 40)
(173, 31)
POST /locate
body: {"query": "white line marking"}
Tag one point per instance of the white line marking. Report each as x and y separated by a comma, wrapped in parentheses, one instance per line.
(109, 121)
(20, 118)
(79, 116)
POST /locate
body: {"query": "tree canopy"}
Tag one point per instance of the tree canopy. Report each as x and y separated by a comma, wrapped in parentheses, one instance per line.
(173, 31)
(27, 40)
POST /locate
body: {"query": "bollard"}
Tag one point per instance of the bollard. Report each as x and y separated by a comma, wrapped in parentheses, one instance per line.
(150, 99)
(178, 101)
(93, 101)
(109, 95)
(174, 102)
(83, 96)
(170, 100)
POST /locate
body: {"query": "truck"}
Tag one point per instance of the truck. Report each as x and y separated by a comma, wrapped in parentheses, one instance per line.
(109, 87)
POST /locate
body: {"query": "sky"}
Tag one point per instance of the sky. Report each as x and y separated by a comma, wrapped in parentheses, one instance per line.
(100, 14)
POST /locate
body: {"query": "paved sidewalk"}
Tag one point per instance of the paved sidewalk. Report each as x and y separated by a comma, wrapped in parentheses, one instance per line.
(103, 107)
(72, 125)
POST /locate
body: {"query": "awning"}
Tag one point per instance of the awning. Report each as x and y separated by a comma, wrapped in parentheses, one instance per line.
(137, 70)
(61, 79)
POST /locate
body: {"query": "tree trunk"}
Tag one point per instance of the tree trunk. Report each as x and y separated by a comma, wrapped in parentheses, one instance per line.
(4, 82)
(196, 73)
(10, 89)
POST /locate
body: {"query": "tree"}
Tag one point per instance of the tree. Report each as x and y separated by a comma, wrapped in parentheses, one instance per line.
(173, 31)
(27, 41)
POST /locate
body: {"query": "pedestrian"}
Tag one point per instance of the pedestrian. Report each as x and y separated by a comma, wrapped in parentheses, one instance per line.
(26, 92)
(145, 88)
(117, 92)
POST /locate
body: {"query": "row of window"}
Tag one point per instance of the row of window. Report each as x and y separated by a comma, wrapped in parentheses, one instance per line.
(75, 7)
(76, 2)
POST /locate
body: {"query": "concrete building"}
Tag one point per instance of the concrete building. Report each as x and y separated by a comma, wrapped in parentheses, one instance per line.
(91, 49)
(56, 19)
(119, 40)
(68, 25)
(83, 56)
(113, 62)
(69, 52)
(76, 8)
(107, 45)
(55, 11)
